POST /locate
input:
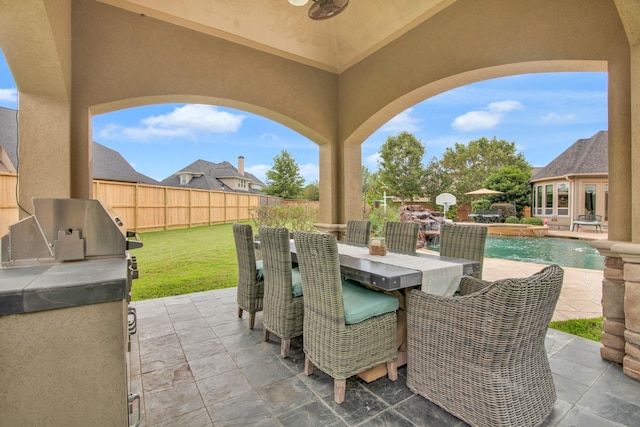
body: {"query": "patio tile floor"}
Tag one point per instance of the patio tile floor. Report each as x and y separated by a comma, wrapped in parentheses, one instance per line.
(196, 364)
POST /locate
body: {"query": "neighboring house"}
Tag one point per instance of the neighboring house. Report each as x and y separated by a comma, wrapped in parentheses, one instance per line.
(204, 175)
(110, 165)
(107, 163)
(8, 139)
(574, 183)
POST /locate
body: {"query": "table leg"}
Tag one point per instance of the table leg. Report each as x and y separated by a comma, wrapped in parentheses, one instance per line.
(380, 370)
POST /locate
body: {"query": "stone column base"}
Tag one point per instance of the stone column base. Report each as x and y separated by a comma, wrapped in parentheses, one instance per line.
(338, 230)
(621, 305)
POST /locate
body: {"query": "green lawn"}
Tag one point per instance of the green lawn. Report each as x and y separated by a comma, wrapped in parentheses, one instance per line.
(187, 260)
(586, 328)
(197, 259)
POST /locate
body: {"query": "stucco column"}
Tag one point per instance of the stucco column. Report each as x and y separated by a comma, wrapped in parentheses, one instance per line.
(340, 189)
(81, 167)
(43, 151)
(620, 152)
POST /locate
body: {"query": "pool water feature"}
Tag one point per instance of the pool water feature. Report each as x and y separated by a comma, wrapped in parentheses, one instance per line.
(544, 250)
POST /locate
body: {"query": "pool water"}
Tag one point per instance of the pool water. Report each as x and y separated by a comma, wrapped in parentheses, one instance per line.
(545, 250)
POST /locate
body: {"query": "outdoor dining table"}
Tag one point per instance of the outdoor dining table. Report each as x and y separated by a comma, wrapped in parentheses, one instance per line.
(397, 273)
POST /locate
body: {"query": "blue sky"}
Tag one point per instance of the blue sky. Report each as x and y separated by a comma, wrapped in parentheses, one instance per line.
(543, 114)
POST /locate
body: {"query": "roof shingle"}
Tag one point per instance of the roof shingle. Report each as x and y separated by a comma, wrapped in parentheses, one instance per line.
(585, 156)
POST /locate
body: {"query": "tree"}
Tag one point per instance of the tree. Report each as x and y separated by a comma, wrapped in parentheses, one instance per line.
(311, 192)
(514, 184)
(284, 179)
(436, 180)
(401, 167)
(469, 166)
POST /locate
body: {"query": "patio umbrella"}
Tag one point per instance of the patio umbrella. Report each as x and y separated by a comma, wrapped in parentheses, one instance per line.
(483, 191)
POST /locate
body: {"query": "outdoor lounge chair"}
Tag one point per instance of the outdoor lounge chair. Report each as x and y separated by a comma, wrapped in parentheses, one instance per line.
(347, 327)
(481, 356)
(401, 235)
(358, 232)
(250, 284)
(463, 241)
(283, 305)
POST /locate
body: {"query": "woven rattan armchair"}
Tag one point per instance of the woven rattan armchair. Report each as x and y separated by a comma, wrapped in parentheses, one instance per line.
(250, 286)
(401, 236)
(463, 241)
(282, 313)
(340, 350)
(481, 356)
(358, 232)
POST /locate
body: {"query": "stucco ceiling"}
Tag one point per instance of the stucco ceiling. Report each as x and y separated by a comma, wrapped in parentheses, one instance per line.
(280, 28)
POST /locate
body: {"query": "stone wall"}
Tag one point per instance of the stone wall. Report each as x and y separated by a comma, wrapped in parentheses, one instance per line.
(429, 223)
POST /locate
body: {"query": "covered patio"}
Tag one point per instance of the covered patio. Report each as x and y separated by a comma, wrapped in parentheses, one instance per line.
(196, 364)
(333, 81)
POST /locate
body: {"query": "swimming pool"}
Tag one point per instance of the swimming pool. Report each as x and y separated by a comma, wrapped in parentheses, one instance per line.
(544, 250)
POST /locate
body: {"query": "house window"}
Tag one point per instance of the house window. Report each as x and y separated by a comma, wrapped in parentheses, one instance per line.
(539, 200)
(548, 206)
(242, 184)
(563, 199)
(184, 179)
(590, 199)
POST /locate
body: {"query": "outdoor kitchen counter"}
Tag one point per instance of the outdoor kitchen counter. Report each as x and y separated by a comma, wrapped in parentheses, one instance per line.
(63, 341)
(29, 289)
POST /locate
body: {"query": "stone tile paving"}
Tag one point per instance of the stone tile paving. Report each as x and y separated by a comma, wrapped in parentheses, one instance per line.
(196, 364)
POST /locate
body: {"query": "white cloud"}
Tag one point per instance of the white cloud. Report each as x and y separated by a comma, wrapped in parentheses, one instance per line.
(310, 172)
(557, 118)
(476, 120)
(504, 106)
(485, 119)
(186, 121)
(197, 117)
(153, 132)
(9, 95)
(260, 171)
(269, 135)
(402, 122)
(373, 159)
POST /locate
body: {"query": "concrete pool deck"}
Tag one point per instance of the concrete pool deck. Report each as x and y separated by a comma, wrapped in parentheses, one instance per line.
(581, 293)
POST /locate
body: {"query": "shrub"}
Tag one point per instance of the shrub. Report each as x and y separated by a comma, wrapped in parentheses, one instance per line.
(531, 221)
(512, 220)
(378, 218)
(480, 205)
(294, 217)
(504, 209)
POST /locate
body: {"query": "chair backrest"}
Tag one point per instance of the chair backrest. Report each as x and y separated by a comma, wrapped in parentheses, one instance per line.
(358, 232)
(245, 252)
(321, 286)
(522, 308)
(401, 236)
(276, 252)
(463, 241)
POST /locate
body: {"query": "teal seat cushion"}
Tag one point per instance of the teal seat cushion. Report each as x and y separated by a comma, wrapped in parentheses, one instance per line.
(259, 269)
(361, 303)
(296, 280)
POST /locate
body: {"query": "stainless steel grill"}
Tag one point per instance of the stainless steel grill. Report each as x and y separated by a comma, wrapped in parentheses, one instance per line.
(67, 231)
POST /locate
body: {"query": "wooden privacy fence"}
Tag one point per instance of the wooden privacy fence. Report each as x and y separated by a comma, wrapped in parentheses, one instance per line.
(150, 208)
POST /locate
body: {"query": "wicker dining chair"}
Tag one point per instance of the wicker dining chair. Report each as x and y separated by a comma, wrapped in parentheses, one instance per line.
(481, 356)
(401, 235)
(283, 305)
(250, 283)
(358, 232)
(331, 342)
(463, 241)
